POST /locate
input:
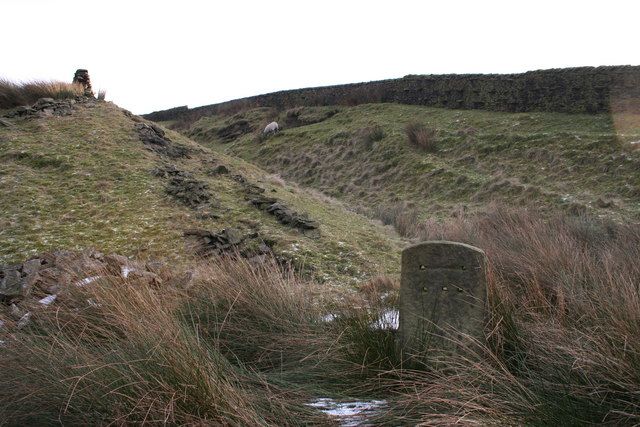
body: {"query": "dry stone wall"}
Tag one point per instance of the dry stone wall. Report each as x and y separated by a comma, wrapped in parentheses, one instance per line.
(567, 90)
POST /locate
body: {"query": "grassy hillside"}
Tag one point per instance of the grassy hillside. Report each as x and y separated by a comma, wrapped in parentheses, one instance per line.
(252, 343)
(87, 180)
(361, 154)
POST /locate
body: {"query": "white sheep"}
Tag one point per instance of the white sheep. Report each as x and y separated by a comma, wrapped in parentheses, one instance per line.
(271, 128)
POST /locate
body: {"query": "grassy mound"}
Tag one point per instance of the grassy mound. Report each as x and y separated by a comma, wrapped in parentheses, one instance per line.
(95, 179)
(387, 157)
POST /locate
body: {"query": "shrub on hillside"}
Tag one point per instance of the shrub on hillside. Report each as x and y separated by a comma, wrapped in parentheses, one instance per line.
(370, 134)
(17, 94)
(421, 137)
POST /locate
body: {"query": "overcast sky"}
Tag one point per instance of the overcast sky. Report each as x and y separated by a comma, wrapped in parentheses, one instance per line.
(152, 55)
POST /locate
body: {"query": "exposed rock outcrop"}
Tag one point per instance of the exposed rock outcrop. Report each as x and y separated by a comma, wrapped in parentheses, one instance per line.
(184, 187)
(154, 139)
(45, 107)
(231, 241)
(234, 130)
(284, 214)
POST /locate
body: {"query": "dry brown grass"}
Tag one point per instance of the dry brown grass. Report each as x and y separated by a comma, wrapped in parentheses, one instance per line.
(125, 352)
(16, 94)
(562, 345)
(402, 215)
(246, 345)
(422, 137)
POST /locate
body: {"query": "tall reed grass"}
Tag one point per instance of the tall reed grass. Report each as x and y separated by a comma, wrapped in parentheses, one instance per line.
(14, 94)
(250, 345)
(563, 343)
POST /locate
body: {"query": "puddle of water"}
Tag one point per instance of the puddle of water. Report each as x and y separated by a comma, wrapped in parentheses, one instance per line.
(86, 281)
(349, 413)
(125, 271)
(329, 317)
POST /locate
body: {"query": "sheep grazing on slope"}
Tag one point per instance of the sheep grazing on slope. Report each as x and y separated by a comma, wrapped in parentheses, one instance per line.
(271, 128)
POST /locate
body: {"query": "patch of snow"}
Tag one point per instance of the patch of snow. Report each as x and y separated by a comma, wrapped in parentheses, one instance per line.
(389, 319)
(634, 142)
(329, 317)
(86, 281)
(349, 413)
(24, 320)
(125, 270)
(48, 299)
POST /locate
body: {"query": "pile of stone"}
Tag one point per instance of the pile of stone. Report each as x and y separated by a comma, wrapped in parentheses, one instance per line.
(219, 169)
(46, 107)
(154, 139)
(41, 280)
(81, 77)
(189, 190)
(235, 130)
(229, 241)
(185, 187)
(285, 215)
(209, 243)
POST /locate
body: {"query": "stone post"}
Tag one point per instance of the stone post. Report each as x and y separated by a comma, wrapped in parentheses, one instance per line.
(82, 77)
(442, 288)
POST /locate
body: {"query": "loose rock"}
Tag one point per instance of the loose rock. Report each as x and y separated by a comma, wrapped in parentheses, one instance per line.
(284, 214)
(45, 107)
(154, 139)
(209, 243)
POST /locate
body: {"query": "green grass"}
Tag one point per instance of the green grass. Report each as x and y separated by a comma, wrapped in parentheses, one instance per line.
(85, 181)
(546, 160)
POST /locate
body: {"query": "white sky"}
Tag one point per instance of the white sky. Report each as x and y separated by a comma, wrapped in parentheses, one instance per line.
(152, 55)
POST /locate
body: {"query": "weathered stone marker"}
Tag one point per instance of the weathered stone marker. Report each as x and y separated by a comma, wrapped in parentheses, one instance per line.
(443, 286)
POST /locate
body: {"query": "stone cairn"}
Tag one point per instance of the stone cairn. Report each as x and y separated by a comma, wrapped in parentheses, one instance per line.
(443, 292)
(82, 77)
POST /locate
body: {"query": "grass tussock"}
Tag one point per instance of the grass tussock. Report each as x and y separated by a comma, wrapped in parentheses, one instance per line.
(562, 345)
(241, 345)
(422, 137)
(121, 351)
(16, 94)
(403, 216)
